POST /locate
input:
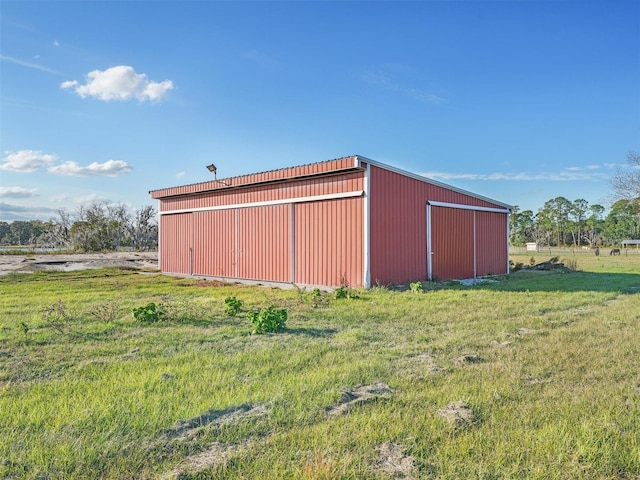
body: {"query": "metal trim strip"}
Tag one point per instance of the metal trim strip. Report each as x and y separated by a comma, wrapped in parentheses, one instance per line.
(283, 201)
(467, 207)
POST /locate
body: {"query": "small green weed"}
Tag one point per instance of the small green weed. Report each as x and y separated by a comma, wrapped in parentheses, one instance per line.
(416, 287)
(344, 292)
(56, 317)
(150, 313)
(232, 306)
(268, 319)
(106, 311)
(24, 328)
(316, 297)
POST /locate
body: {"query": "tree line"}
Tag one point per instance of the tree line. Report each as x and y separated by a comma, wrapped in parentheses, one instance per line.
(561, 222)
(97, 226)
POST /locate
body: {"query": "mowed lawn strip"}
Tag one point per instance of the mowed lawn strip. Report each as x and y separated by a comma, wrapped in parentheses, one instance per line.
(534, 375)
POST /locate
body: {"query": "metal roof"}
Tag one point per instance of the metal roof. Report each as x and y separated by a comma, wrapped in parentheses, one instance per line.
(328, 167)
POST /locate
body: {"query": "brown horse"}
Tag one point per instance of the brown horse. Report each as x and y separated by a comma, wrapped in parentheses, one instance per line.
(614, 251)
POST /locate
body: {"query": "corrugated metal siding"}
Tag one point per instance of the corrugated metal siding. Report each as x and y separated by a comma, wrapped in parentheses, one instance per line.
(491, 243)
(214, 243)
(329, 242)
(452, 243)
(265, 243)
(398, 227)
(334, 184)
(176, 241)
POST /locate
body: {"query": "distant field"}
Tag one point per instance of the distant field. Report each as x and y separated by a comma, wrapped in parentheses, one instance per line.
(533, 376)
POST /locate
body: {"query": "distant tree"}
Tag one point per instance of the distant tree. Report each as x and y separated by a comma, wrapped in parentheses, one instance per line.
(594, 225)
(626, 182)
(553, 220)
(622, 222)
(578, 214)
(56, 233)
(144, 229)
(25, 233)
(522, 226)
(5, 229)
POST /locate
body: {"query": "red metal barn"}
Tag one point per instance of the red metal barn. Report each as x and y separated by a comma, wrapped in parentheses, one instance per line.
(350, 221)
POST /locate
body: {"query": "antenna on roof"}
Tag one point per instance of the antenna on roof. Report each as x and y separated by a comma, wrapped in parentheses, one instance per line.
(213, 169)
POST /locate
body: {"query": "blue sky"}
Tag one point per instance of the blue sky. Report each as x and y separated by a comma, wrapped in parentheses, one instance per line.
(519, 101)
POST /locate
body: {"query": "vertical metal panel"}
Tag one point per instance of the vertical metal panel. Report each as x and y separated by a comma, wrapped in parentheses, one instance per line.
(491, 239)
(176, 243)
(214, 243)
(264, 235)
(329, 242)
(397, 227)
(452, 240)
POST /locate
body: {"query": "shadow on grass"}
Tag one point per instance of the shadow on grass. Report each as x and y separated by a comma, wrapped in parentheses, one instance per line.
(311, 332)
(565, 281)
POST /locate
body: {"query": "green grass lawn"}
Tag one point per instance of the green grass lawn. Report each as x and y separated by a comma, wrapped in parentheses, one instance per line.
(535, 376)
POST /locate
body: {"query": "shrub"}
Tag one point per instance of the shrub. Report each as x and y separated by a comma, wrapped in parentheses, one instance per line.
(232, 306)
(268, 319)
(416, 287)
(150, 313)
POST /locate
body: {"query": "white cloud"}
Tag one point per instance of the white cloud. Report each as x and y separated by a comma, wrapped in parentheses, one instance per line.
(180, 174)
(110, 168)
(26, 161)
(571, 174)
(119, 83)
(92, 197)
(10, 212)
(17, 192)
(60, 198)
(24, 63)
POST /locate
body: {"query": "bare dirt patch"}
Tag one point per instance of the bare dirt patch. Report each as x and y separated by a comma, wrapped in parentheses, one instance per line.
(216, 454)
(186, 429)
(430, 364)
(359, 395)
(458, 414)
(524, 331)
(78, 261)
(391, 460)
(467, 359)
